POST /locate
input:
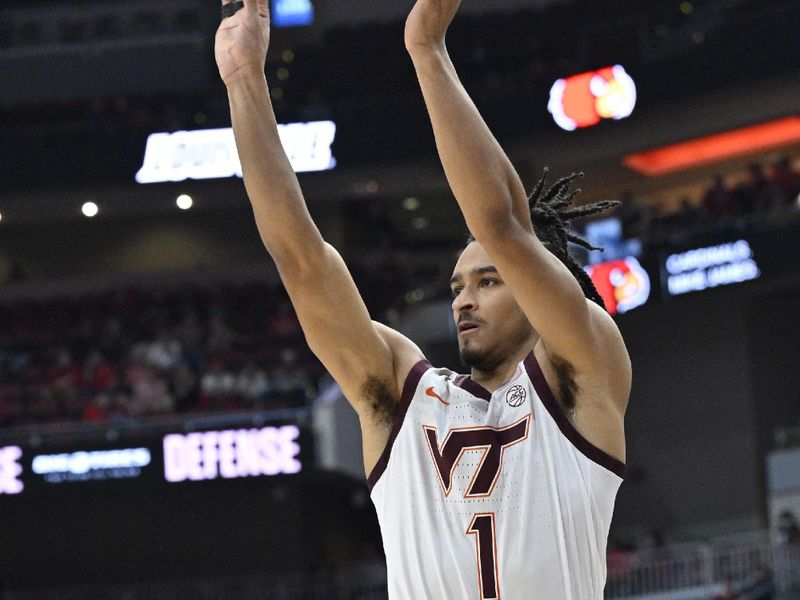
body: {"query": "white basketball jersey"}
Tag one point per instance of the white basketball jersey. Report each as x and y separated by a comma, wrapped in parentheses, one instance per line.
(491, 496)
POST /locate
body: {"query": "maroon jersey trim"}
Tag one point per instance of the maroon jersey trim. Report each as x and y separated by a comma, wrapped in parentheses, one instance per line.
(410, 386)
(588, 449)
(465, 382)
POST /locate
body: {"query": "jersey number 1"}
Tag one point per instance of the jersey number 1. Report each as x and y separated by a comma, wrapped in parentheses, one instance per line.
(493, 443)
(482, 527)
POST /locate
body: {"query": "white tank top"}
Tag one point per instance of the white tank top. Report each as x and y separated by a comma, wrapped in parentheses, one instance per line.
(491, 496)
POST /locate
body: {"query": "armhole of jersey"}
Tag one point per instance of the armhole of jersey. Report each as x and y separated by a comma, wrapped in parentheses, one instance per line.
(410, 386)
(586, 448)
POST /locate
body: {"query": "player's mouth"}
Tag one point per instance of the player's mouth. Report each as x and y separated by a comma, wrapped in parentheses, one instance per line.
(466, 327)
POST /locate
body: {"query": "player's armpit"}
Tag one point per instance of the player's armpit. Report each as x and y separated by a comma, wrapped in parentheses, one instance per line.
(340, 332)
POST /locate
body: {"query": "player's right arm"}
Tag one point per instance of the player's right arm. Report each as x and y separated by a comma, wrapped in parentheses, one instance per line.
(361, 355)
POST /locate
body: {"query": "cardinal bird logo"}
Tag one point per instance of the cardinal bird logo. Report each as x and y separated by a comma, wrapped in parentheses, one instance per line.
(623, 284)
(583, 100)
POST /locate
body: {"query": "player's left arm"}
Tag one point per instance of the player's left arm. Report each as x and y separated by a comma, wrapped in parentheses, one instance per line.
(495, 207)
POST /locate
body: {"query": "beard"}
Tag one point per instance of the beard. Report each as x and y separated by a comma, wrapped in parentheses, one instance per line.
(473, 358)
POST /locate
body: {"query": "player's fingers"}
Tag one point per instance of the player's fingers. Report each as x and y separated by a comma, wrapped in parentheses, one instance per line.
(230, 7)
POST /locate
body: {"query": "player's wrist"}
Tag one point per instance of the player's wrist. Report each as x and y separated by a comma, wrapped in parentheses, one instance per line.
(428, 55)
(245, 75)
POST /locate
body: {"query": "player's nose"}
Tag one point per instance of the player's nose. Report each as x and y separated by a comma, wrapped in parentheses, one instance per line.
(465, 301)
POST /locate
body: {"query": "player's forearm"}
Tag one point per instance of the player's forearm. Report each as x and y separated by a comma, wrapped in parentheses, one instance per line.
(480, 174)
(282, 217)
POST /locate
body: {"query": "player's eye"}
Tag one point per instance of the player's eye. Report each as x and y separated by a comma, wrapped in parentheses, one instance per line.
(455, 291)
(488, 282)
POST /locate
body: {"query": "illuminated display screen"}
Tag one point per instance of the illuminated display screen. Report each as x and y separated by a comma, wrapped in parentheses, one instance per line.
(623, 284)
(292, 13)
(231, 454)
(712, 266)
(123, 463)
(10, 470)
(584, 100)
(212, 154)
(158, 460)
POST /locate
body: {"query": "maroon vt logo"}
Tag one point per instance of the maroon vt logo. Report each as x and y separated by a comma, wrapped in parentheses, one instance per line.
(492, 441)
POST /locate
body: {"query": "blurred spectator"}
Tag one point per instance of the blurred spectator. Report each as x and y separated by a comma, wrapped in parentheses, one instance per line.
(252, 385)
(283, 323)
(634, 216)
(97, 409)
(787, 179)
(65, 374)
(760, 586)
(718, 200)
(218, 384)
(99, 375)
(289, 380)
(183, 385)
(788, 529)
(220, 337)
(728, 592)
(756, 194)
(149, 392)
(165, 352)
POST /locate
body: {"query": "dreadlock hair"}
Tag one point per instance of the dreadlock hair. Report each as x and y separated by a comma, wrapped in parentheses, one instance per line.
(552, 216)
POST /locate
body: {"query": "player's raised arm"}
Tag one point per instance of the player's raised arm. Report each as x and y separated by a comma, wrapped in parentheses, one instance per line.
(495, 205)
(337, 326)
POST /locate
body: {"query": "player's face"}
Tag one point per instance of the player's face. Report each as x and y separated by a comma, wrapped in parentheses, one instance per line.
(490, 323)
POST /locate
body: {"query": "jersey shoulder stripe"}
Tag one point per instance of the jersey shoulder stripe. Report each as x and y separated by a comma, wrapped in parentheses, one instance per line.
(567, 429)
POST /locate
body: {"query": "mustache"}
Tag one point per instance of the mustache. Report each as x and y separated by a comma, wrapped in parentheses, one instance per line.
(469, 317)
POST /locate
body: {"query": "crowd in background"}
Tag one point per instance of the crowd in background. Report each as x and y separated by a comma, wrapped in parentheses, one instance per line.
(760, 191)
(133, 352)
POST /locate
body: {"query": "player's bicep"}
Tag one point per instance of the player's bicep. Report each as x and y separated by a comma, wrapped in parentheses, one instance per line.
(337, 324)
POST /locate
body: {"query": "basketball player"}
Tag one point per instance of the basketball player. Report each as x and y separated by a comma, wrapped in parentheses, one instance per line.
(499, 484)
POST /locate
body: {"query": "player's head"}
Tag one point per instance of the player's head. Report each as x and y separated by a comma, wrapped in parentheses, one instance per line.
(490, 323)
(483, 300)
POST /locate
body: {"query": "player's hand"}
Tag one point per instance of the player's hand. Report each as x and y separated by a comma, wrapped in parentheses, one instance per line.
(242, 40)
(427, 24)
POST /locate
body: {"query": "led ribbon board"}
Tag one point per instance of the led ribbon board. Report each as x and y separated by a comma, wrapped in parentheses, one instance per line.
(212, 154)
(10, 470)
(93, 465)
(231, 454)
(712, 266)
(584, 100)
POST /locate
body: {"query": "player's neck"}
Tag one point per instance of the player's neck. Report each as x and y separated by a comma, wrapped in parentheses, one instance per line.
(503, 372)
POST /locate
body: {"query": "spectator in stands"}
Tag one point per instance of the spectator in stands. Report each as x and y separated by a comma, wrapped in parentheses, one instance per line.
(289, 380)
(727, 593)
(98, 374)
(164, 352)
(149, 391)
(634, 216)
(220, 337)
(283, 322)
(252, 385)
(760, 586)
(218, 384)
(787, 179)
(788, 529)
(756, 194)
(718, 202)
(183, 385)
(97, 409)
(64, 375)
